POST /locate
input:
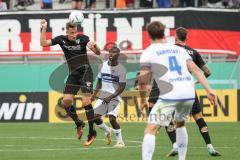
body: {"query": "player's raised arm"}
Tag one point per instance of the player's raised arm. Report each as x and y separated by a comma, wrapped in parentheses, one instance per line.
(43, 41)
(93, 47)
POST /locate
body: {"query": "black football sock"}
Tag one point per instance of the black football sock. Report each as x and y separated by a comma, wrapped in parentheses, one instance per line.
(90, 117)
(71, 112)
(171, 131)
(203, 130)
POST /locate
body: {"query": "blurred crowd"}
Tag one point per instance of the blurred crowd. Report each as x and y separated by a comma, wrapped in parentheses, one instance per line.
(119, 4)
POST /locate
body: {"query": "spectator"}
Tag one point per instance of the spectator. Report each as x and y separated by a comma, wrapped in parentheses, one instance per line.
(3, 6)
(163, 3)
(146, 3)
(91, 4)
(120, 4)
(47, 4)
(186, 3)
(129, 3)
(174, 3)
(77, 4)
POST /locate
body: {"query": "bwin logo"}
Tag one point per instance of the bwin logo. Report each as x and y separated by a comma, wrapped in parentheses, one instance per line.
(21, 110)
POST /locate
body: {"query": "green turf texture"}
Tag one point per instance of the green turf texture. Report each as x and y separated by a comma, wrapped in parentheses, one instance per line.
(44, 141)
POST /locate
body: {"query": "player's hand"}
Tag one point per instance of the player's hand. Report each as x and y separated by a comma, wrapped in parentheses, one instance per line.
(106, 100)
(212, 97)
(91, 45)
(44, 23)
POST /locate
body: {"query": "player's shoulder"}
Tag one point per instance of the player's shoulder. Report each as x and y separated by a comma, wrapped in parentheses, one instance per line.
(193, 51)
(181, 48)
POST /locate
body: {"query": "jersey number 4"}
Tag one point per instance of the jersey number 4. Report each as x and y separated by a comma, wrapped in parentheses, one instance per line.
(174, 66)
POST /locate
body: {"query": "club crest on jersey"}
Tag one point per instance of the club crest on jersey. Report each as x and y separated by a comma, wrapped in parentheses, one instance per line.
(78, 41)
(88, 84)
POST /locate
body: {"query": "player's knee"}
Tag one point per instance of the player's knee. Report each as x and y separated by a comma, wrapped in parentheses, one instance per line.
(197, 116)
(86, 101)
(180, 124)
(66, 102)
(98, 121)
(151, 129)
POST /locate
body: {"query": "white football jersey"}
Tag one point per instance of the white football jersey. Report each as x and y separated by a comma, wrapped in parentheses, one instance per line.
(111, 76)
(168, 63)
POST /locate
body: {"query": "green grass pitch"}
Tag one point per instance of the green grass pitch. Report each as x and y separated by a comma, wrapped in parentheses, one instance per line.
(44, 141)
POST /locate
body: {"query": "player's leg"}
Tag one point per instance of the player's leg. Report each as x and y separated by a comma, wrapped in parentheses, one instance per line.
(171, 132)
(86, 82)
(148, 145)
(100, 109)
(160, 115)
(71, 89)
(183, 109)
(113, 108)
(86, 103)
(203, 128)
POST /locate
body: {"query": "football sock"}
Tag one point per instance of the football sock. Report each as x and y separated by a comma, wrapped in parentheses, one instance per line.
(104, 127)
(148, 146)
(90, 117)
(71, 112)
(118, 134)
(182, 142)
(171, 131)
(204, 130)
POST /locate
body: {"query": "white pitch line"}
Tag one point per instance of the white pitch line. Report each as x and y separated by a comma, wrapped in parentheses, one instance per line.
(64, 149)
(60, 138)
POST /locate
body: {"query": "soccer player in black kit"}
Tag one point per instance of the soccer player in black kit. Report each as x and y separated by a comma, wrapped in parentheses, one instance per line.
(180, 38)
(80, 75)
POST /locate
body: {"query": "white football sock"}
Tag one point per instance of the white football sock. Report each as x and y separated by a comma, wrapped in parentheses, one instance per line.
(182, 142)
(118, 134)
(148, 146)
(175, 145)
(104, 127)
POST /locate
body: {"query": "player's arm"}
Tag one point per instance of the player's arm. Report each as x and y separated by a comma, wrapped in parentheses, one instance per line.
(144, 80)
(206, 70)
(119, 90)
(43, 41)
(193, 68)
(202, 64)
(98, 87)
(93, 47)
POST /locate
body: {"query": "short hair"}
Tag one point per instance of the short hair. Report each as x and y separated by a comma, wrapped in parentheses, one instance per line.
(114, 49)
(70, 25)
(156, 30)
(181, 33)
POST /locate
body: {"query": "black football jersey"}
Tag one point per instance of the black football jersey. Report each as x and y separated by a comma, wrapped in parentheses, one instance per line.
(197, 59)
(75, 52)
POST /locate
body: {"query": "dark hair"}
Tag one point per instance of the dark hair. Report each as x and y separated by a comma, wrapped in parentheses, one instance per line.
(156, 30)
(181, 33)
(114, 49)
(70, 25)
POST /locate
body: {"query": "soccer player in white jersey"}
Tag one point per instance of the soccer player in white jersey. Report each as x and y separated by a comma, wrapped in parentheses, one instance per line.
(170, 66)
(111, 83)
